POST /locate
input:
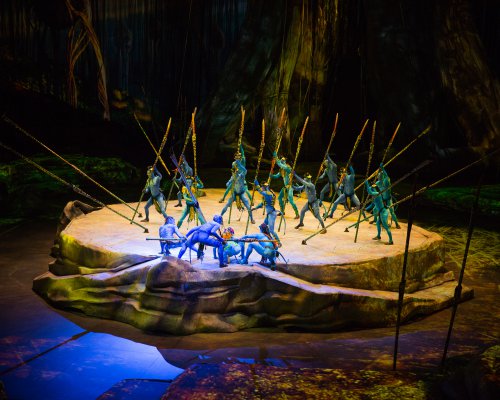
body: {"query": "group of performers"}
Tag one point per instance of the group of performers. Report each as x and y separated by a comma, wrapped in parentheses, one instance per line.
(266, 242)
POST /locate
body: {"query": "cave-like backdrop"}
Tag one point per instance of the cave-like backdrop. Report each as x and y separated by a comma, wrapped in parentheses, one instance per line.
(100, 61)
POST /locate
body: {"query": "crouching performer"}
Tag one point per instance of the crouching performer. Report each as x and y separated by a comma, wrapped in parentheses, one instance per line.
(263, 243)
(312, 201)
(380, 211)
(231, 248)
(168, 233)
(206, 235)
(268, 201)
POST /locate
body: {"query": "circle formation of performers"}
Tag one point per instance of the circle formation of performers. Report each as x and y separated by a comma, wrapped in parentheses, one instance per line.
(336, 189)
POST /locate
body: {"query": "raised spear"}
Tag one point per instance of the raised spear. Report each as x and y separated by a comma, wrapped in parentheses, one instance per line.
(372, 146)
(356, 143)
(299, 145)
(261, 150)
(334, 132)
(424, 132)
(240, 138)
(186, 141)
(12, 123)
(390, 142)
(279, 135)
(73, 187)
(154, 164)
(151, 144)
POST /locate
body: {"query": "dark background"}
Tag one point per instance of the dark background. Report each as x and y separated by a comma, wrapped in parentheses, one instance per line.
(392, 61)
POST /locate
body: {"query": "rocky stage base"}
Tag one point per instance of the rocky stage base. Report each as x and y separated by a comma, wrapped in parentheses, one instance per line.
(105, 268)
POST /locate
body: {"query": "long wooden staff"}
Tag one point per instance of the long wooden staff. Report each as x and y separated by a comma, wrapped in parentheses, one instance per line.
(186, 141)
(287, 187)
(372, 146)
(279, 135)
(420, 166)
(356, 143)
(151, 144)
(12, 123)
(240, 138)
(74, 187)
(424, 132)
(390, 142)
(154, 164)
(334, 132)
(261, 150)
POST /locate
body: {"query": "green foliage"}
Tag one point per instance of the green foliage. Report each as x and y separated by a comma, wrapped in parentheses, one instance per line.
(461, 198)
(28, 192)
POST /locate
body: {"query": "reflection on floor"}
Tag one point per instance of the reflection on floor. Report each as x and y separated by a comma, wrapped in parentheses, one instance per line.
(51, 354)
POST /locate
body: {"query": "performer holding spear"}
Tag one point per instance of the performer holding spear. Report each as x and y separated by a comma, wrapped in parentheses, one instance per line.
(329, 169)
(261, 150)
(347, 179)
(153, 183)
(287, 174)
(370, 154)
(238, 185)
(182, 162)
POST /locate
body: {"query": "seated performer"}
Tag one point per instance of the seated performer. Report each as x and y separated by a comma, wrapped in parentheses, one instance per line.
(153, 187)
(167, 231)
(347, 192)
(264, 244)
(269, 198)
(287, 190)
(330, 172)
(312, 201)
(231, 248)
(238, 186)
(206, 234)
(386, 192)
(379, 210)
(191, 207)
(188, 171)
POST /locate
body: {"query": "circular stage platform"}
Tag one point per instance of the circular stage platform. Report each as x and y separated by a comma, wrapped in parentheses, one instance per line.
(105, 267)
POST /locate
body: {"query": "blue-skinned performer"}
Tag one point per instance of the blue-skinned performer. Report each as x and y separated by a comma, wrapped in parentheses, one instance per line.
(170, 232)
(268, 201)
(312, 201)
(264, 244)
(239, 185)
(191, 209)
(188, 171)
(380, 211)
(207, 234)
(153, 187)
(285, 172)
(347, 192)
(231, 248)
(229, 185)
(330, 172)
(386, 192)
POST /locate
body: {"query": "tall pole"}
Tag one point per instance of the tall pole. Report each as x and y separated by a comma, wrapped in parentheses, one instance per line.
(370, 155)
(240, 138)
(458, 290)
(334, 132)
(261, 150)
(287, 188)
(162, 145)
(402, 283)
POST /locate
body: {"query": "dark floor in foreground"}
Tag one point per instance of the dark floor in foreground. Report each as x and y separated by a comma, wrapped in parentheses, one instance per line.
(51, 354)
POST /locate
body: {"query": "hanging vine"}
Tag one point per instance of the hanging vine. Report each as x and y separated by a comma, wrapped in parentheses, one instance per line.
(80, 35)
